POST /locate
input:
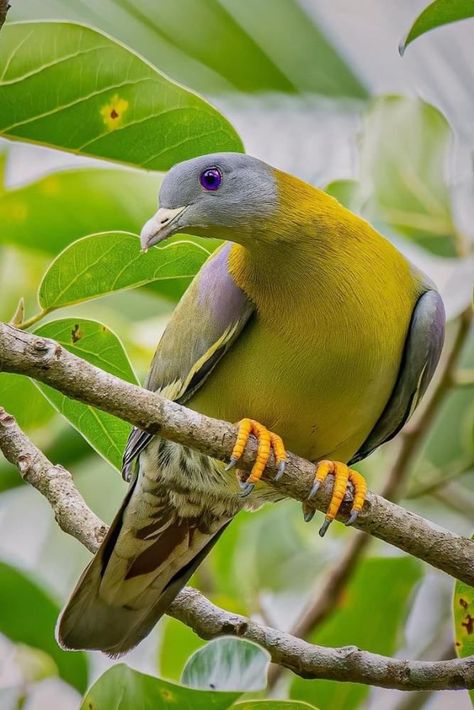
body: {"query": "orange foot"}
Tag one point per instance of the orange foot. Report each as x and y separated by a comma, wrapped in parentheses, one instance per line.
(266, 441)
(342, 476)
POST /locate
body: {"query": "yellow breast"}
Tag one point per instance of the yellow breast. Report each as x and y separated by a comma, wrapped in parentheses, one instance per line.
(318, 362)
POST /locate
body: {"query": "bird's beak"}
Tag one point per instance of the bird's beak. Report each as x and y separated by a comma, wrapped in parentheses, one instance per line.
(160, 226)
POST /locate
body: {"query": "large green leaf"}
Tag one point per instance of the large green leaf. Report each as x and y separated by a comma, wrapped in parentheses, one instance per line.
(29, 616)
(439, 13)
(121, 688)
(216, 47)
(402, 185)
(100, 346)
(370, 617)
(112, 261)
(463, 610)
(227, 663)
(71, 87)
(52, 212)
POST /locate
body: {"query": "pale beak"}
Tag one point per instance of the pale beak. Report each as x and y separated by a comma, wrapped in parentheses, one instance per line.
(160, 226)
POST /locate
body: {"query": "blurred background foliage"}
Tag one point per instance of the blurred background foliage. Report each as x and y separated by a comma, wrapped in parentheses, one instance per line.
(314, 87)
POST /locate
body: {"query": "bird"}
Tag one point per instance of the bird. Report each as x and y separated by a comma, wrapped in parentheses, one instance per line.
(307, 328)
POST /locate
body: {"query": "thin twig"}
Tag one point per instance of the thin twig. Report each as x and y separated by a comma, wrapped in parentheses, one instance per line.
(347, 664)
(48, 362)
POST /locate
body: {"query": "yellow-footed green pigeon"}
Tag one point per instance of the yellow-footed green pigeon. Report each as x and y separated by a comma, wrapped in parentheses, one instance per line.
(306, 324)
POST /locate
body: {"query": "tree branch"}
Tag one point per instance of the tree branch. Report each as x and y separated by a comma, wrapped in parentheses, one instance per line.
(209, 621)
(48, 362)
(54, 482)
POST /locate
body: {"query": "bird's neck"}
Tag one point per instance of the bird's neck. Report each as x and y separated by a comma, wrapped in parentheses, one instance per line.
(302, 241)
(314, 252)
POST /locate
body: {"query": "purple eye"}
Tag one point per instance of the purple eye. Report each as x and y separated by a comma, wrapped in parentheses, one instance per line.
(211, 179)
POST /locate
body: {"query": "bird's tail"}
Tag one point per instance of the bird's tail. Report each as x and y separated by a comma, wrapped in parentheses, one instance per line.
(147, 557)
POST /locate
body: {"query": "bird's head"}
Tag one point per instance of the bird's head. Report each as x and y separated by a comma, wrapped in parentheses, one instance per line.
(224, 195)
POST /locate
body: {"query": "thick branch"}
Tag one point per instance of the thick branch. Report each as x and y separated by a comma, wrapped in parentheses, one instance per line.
(48, 362)
(209, 621)
(348, 664)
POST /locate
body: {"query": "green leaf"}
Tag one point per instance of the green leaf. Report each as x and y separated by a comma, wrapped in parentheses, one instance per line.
(49, 214)
(19, 396)
(74, 88)
(121, 688)
(274, 705)
(112, 261)
(29, 616)
(439, 13)
(370, 616)
(253, 43)
(228, 664)
(463, 610)
(98, 345)
(177, 643)
(402, 185)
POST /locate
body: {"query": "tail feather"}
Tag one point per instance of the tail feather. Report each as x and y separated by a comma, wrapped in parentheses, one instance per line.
(147, 557)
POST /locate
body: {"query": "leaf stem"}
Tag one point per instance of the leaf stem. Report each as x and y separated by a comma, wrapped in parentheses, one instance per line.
(34, 319)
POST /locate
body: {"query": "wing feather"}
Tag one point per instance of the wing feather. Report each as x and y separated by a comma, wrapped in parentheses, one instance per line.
(208, 319)
(421, 354)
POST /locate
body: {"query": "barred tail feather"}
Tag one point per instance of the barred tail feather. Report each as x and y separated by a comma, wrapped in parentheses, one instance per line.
(147, 557)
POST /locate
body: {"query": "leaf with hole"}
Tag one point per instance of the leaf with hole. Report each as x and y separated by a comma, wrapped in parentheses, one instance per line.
(71, 87)
(95, 343)
(463, 611)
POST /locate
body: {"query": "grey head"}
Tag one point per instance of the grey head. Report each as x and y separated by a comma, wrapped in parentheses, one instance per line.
(219, 195)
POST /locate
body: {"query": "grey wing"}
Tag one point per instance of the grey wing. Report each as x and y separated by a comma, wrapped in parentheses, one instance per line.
(421, 354)
(207, 320)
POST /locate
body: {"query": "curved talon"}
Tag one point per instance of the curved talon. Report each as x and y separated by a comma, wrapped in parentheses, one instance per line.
(314, 489)
(308, 512)
(281, 470)
(247, 489)
(352, 517)
(343, 478)
(324, 526)
(266, 442)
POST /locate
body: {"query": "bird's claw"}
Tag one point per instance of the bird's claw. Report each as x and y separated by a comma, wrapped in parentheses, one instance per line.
(352, 517)
(267, 442)
(324, 526)
(308, 512)
(344, 478)
(280, 470)
(314, 489)
(247, 489)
